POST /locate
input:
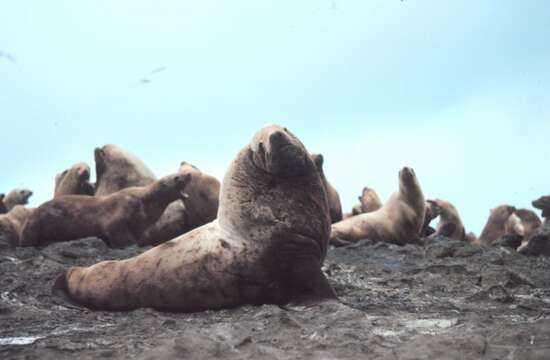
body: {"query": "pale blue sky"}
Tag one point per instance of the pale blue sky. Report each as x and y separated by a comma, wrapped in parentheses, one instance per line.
(460, 90)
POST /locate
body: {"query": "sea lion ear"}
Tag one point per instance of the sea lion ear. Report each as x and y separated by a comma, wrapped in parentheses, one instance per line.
(447, 230)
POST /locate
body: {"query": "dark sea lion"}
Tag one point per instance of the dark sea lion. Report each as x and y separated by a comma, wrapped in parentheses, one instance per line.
(117, 169)
(118, 219)
(74, 181)
(266, 246)
(3, 208)
(335, 207)
(543, 203)
(17, 197)
(495, 226)
(399, 221)
(199, 207)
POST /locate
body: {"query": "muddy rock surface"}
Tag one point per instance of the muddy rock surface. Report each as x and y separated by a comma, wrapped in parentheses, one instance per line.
(444, 300)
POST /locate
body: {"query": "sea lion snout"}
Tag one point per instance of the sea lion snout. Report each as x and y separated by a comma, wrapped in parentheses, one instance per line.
(182, 180)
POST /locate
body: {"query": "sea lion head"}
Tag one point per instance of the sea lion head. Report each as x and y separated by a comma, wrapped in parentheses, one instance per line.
(501, 213)
(173, 184)
(407, 178)
(75, 180)
(369, 200)
(272, 187)
(543, 203)
(19, 196)
(278, 152)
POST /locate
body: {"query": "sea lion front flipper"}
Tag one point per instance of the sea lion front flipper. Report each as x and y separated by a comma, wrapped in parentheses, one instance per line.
(300, 271)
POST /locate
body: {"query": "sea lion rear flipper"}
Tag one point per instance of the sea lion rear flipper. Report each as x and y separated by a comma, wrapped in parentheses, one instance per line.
(302, 277)
(61, 292)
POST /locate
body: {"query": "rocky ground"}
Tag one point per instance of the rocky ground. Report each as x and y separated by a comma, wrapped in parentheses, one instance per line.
(446, 300)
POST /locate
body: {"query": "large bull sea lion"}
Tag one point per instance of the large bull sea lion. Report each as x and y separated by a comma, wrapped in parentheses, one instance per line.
(266, 246)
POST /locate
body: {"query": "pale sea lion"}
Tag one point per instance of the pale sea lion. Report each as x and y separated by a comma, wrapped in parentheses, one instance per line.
(17, 197)
(118, 219)
(117, 169)
(524, 223)
(399, 221)
(494, 228)
(335, 207)
(12, 222)
(450, 225)
(266, 246)
(368, 202)
(199, 207)
(74, 181)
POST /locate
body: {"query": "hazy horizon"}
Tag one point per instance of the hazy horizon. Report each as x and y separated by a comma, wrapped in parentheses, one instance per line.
(458, 91)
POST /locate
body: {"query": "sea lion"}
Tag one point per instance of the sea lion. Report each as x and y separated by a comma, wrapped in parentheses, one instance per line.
(494, 228)
(368, 202)
(17, 197)
(399, 221)
(117, 169)
(450, 225)
(74, 181)
(543, 203)
(200, 207)
(3, 208)
(12, 222)
(118, 219)
(266, 246)
(335, 207)
(523, 223)
(431, 213)
(538, 243)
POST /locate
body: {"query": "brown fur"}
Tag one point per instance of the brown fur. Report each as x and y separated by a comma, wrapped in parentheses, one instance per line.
(335, 207)
(17, 197)
(266, 246)
(494, 228)
(450, 225)
(398, 221)
(117, 169)
(369, 201)
(199, 208)
(118, 219)
(74, 181)
(543, 203)
(12, 223)
(523, 223)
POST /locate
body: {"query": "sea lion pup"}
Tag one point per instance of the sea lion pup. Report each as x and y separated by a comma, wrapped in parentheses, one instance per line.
(543, 203)
(399, 221)
(12, 222)
(431, 213)
(450, 225)
(74, 181)
(118, 219)
(335, 207)
(200, 207)
(117, 169)
(266, 246)
(494, 228)
(17, 197)
(3, 208)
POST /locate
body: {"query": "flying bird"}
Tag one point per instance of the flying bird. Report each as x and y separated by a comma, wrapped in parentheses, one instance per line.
(7, 56)
(147, 78)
